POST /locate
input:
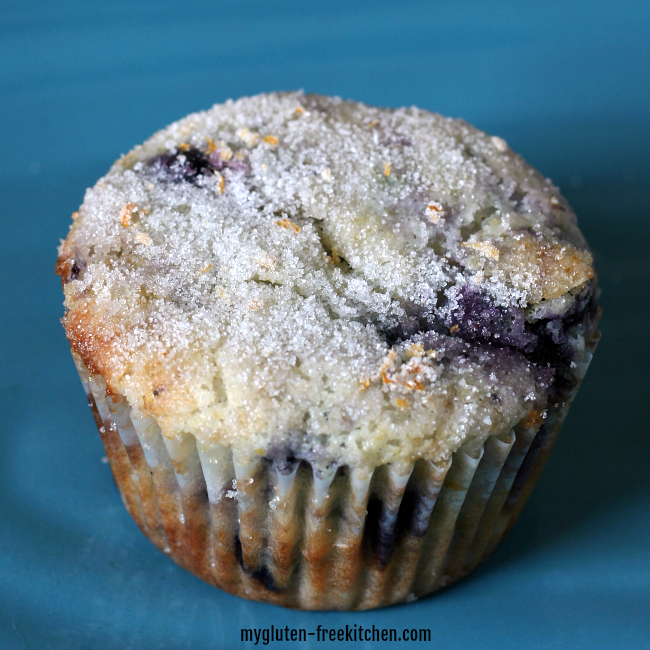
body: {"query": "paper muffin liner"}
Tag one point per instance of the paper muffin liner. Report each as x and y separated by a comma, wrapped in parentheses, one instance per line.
(297, 536)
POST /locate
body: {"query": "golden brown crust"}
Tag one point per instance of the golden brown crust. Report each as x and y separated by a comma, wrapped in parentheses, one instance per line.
(63, 266)
(89, 341)
(555, 268)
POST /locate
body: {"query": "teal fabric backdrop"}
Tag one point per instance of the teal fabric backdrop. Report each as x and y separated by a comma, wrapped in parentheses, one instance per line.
(566, 83)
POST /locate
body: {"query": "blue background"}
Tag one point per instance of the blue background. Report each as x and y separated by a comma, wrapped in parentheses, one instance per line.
(567, 84)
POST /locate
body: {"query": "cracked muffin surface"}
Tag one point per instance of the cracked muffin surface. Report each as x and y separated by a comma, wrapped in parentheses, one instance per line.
(299, 276)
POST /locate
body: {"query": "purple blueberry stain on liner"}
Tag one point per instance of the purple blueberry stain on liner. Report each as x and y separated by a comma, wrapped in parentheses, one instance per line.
(385, 529)
(261, 574)
(283, 460)
(414, 512)
(380, 530)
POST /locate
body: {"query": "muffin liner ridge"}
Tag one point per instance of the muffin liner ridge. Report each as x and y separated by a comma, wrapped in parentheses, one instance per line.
(345, 538)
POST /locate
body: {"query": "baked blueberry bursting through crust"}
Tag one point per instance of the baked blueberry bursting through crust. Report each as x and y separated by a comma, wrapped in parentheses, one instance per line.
(181, 165)
(332, 287)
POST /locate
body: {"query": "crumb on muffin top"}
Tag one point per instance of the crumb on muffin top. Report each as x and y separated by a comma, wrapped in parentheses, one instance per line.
(298, 274)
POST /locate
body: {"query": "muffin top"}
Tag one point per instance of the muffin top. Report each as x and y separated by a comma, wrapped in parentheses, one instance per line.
(298, 275)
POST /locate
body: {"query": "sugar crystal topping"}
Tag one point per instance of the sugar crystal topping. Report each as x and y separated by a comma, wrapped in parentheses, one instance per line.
(299, 274)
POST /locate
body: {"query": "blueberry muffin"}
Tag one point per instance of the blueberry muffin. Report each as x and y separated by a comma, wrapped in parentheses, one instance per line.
(328, 346)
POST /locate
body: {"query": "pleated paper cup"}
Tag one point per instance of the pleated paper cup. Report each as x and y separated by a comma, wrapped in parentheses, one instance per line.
(307, 537)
